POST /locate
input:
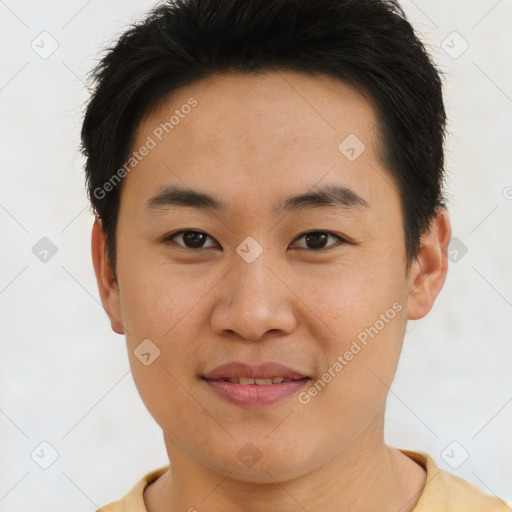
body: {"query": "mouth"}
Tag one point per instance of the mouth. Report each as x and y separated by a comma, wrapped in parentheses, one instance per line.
(249, 381)
(255, 393)
(254, 374)
(254, 385)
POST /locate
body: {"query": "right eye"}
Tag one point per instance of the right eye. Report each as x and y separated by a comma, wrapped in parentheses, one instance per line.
(190, 239)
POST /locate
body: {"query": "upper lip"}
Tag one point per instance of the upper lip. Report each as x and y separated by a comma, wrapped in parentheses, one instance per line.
(254, 371)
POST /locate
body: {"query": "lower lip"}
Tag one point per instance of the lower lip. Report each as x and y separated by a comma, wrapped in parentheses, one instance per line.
(252, 395)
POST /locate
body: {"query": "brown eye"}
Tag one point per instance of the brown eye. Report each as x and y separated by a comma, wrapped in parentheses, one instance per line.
(190, 239)
(317, 240)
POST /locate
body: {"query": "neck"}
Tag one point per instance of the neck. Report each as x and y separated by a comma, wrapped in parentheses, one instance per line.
(368, 475)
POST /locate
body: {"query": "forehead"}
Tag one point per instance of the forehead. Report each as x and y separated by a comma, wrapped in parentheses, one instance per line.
(248, 137)
(315, 109)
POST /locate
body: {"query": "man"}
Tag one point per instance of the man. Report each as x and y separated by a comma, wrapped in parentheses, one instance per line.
(267, 178)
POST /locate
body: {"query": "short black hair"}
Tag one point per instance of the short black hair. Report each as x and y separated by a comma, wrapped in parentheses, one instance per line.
(369, 44)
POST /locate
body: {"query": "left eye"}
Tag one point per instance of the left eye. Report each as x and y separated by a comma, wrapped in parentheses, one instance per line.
(317, 240)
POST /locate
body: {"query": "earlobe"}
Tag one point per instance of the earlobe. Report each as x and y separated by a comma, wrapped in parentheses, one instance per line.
(428, 271)
(107, 286)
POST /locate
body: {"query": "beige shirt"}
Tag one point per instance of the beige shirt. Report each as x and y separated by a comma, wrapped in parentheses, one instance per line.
(443, 492)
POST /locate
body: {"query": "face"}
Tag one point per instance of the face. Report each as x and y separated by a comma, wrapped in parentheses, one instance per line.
(256, 276)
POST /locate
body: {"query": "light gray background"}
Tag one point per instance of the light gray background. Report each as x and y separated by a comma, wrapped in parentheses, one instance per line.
(65, 376)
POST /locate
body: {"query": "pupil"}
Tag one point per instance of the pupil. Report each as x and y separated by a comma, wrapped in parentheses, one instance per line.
(318, 239)
(194, 238)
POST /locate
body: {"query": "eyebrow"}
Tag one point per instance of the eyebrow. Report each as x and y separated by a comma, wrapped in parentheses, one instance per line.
(330, 196)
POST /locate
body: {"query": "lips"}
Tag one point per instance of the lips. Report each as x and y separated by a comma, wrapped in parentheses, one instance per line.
(259, 375)
(247, 381)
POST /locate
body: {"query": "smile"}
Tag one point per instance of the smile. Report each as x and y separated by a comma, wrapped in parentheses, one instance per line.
(248, 381)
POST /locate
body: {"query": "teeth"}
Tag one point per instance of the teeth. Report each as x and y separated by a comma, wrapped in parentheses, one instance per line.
(245, 381)
(263, 382)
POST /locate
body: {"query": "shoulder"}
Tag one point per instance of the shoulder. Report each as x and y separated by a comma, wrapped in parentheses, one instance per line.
(446, 492)
(134, 500)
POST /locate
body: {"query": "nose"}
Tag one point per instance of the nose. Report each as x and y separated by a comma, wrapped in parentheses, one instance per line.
(254, 302)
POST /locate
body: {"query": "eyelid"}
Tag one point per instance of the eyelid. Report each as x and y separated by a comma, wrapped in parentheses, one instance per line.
(169, 238)
(327, 232)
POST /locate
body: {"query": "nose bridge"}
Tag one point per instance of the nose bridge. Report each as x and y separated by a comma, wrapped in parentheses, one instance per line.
(252, 280)
(254, 300)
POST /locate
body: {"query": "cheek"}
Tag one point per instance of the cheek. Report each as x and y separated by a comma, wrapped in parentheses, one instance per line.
(365, 308)
(164, 392)
(157, 295)
(350, 297)
(161, 308)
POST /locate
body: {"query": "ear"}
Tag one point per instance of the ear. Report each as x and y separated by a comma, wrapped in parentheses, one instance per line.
(107, 286)
(428, 271)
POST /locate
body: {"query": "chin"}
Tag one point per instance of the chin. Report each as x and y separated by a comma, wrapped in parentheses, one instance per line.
(261, 462)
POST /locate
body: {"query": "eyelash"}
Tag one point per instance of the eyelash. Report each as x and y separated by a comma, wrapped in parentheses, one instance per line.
(170, 238)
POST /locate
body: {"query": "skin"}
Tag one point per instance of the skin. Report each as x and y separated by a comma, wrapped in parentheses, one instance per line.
(253, 140)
